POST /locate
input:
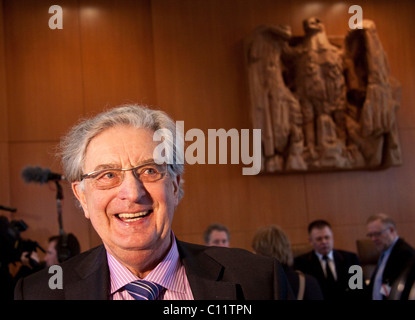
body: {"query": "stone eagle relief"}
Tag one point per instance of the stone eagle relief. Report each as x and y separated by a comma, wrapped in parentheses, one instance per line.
(322, 105)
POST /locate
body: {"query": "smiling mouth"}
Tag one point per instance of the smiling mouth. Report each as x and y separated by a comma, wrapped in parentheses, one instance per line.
(131, 217)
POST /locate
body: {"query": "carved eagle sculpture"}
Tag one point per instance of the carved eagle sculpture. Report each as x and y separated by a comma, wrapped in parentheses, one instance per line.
(322, 106)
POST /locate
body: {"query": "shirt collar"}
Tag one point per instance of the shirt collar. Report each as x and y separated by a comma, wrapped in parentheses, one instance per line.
(166, 273)
(320, 256)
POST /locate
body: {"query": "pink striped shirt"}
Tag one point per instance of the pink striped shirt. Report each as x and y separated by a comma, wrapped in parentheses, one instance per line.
(169, 273)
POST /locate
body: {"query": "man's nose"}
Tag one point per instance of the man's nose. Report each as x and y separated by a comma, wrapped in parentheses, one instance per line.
(131, 188)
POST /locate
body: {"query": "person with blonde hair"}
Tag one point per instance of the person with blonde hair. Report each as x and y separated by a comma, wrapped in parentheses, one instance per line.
(271, 241)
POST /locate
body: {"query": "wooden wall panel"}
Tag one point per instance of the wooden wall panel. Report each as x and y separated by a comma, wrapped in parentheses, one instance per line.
(117, 53)
(4, 146)
(3, 106)
(44, 79)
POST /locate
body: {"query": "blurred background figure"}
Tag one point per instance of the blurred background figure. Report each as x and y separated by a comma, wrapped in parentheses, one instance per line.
(61, 249)
(271, 241)
(328, 265)
(14, 249)
(396, 255)
(6, 251)
(217, 235)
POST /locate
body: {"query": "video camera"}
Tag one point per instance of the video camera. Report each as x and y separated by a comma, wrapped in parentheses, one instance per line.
(11, 244)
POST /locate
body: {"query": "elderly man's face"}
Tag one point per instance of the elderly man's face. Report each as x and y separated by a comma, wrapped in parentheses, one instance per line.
(381, 234)
(122, 235)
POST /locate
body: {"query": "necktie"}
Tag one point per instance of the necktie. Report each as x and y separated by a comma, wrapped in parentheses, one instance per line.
(329, 274)
(143, 290)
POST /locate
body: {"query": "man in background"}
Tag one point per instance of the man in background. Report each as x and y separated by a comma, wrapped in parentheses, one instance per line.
(61, 248)
(395, 256)
(217, 235)
(328, 265)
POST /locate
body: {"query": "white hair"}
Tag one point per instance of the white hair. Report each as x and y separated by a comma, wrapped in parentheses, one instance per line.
(73, 146)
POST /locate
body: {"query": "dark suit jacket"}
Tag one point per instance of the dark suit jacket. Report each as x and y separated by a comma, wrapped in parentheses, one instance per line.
(213, 273)
(402, 254)
(310, 264)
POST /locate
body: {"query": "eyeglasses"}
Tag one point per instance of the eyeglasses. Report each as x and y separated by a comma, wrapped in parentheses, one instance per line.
(111, 178)
(376, 234)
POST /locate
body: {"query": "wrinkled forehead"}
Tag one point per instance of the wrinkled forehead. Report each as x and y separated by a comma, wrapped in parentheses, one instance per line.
(122, 145)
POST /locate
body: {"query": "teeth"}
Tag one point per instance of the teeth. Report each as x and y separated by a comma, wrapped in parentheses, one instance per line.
(132, 215)
(128, 217)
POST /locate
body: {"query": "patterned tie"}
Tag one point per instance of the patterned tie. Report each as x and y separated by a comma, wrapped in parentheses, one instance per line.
(143, 290)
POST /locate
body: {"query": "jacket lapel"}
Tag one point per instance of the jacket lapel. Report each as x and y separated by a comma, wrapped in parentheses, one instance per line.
(316, 266)
(391, 265)
(204, 274)
(93, 282)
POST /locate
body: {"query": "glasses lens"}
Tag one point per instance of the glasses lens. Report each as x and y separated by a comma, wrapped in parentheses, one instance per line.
(150, 172)
(107, 179)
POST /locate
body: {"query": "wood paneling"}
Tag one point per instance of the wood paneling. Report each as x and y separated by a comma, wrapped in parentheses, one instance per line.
(186, 57)
(3, 105)
(117, 53)
(44, 79)
(4, 146)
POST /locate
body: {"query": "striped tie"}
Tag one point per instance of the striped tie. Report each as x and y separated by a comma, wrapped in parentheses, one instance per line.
(143, 290)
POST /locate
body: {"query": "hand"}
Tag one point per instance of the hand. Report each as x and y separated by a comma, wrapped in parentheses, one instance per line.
(26, 256)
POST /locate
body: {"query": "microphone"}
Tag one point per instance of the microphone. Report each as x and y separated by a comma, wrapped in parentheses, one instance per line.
(8, 209)
(40, 175)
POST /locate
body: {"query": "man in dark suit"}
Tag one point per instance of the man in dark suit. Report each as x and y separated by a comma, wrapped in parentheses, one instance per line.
(329, 266)
(395, 257)
(129, 185)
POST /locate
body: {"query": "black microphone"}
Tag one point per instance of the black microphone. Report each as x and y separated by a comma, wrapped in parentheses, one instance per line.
(40, 175)
(8, 209)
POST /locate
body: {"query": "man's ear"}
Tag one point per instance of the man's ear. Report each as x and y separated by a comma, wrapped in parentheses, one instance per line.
(176, 187)
(79, 192)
